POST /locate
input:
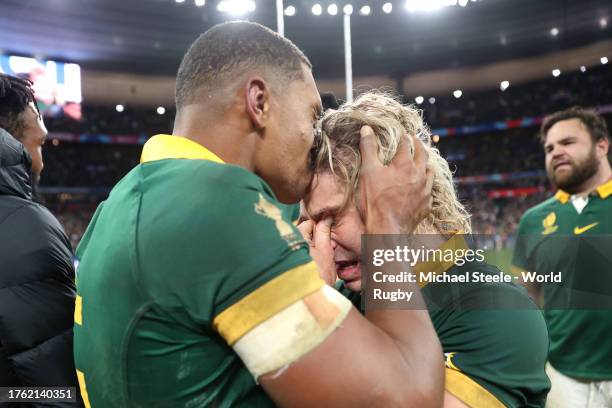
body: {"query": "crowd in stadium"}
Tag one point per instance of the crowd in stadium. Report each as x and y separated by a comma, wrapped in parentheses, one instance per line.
(100, 166)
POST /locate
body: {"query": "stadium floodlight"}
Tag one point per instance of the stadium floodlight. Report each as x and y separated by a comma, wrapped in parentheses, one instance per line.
(556, 72)
(317, 9)
(457, 93)
(604, 60)
(119, 108)
(432, 100)
(332, 9)
(161, 110)
(463, 3)
(419, 99)
(424, 5)
(180, 1)
(290, 11)
(200, 3)
(236, 7)
(348, 9)
(365, 10)
(603, 23)
(387, 7)
(583, 69)
(503, 85)
(554, 31)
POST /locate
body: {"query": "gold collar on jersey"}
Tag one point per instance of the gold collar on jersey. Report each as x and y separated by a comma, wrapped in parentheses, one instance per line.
(161, 147)
(604, 191)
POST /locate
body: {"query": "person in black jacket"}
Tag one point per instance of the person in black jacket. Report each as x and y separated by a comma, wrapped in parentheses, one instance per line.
(37, 289)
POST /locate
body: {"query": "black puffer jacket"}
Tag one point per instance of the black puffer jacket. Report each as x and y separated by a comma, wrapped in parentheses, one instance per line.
(37, 289)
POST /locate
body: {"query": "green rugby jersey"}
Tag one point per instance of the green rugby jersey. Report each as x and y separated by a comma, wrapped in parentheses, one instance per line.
(185, 256)
(554, 236)
(493, 337)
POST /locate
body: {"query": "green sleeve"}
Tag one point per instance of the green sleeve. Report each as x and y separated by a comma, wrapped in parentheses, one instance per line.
(221, 239)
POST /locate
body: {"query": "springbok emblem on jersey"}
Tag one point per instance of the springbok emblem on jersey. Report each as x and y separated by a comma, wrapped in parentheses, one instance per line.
(549, 224)
(449, 361)
(269, 210)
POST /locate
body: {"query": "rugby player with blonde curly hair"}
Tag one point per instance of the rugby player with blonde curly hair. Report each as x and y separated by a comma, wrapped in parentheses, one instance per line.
(494, 355)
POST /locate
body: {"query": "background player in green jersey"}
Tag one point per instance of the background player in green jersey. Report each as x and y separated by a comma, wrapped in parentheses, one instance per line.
(571, 233)
(493, 357)
(194, 288)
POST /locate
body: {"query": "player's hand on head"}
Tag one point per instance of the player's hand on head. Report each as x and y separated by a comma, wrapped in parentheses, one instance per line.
(318, 236)
(397, 197)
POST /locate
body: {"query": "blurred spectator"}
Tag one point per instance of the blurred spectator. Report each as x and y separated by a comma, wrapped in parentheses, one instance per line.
(37, 284)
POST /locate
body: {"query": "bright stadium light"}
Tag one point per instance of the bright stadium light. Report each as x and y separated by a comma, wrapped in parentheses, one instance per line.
(424, 5)
(604, 60)
(236, 7)
(290, 11)
(556, 72)
(200, 3)
(503, 85)
(332, 9)
(554, 31)
(432, 100)
(365, 10)
(457, 93)
(317, 9)
(387, 7)
(119, 108)
(348, 9)
(583, 69)
(419, 99)
(603, 23)
(161, 110)
(180, 1)
(463, 3)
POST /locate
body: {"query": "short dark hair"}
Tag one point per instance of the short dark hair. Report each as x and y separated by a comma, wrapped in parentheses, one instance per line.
(230, 46)
(595, 124)
(15, 96)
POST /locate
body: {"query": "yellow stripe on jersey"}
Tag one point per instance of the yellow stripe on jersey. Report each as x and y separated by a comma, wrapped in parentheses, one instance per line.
(267, 300)
(83, 388)
(161, 147)
(455, 243)
(78, 310)
(469, 391)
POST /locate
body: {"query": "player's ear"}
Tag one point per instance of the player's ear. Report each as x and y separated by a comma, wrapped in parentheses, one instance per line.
(257, 95)
(603, 146)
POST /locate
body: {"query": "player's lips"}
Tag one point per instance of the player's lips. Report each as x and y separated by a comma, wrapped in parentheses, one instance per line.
(348, 270)
(561, 164)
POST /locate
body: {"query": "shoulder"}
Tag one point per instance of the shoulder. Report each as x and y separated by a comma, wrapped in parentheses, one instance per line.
(32, 220)
(38, 245)
(198, 174)
(537, 212)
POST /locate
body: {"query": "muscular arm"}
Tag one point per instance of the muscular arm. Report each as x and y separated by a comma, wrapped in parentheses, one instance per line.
(365, 363)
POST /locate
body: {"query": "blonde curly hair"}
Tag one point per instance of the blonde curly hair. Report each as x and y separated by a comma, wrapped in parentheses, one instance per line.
(392, 122)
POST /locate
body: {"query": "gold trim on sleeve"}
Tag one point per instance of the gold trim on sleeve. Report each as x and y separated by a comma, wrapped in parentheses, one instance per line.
(267, 300)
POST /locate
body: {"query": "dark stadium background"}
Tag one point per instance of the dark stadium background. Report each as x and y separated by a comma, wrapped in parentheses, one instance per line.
(129, 52)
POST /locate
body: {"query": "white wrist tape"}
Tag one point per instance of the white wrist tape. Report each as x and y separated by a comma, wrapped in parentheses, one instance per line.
(294, 331)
